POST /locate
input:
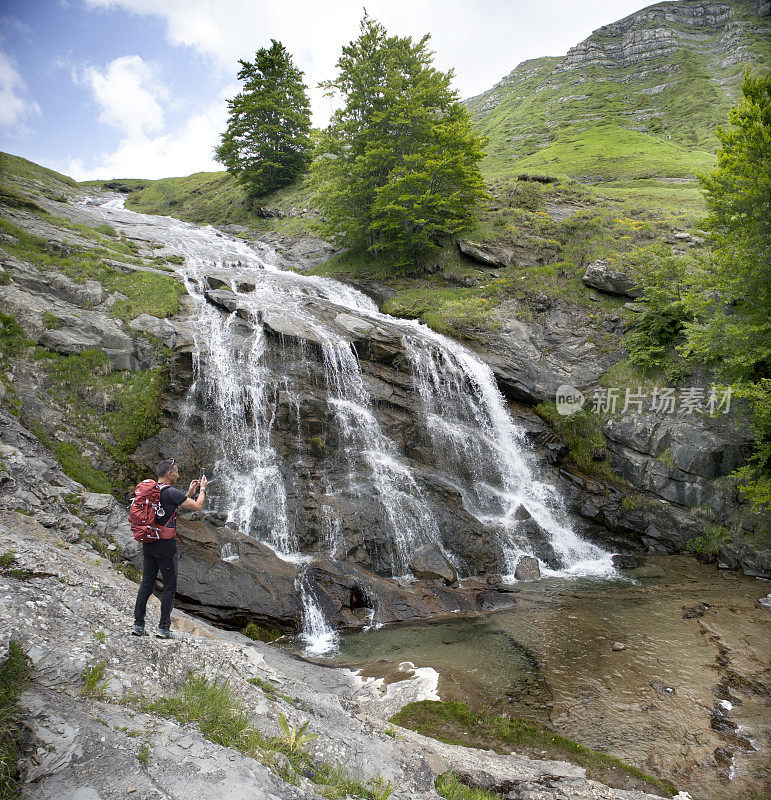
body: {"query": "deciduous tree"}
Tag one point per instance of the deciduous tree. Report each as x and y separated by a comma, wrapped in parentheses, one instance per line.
(399, 163)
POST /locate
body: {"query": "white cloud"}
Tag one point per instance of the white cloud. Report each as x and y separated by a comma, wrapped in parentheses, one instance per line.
(129, 95)
(15, 108)
(179, 152)
(483, 40)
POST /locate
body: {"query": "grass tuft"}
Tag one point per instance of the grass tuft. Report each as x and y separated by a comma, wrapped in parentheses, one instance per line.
(15, 675)
(455, 723)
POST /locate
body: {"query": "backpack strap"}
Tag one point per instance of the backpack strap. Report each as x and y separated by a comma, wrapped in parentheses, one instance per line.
(173, 517)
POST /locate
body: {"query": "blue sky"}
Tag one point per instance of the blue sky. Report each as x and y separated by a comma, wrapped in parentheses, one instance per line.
(137, 88)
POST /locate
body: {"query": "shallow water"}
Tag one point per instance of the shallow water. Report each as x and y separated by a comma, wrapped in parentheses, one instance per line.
(552, 661)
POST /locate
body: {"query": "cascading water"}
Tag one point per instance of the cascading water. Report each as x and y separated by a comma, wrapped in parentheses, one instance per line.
(243, 381)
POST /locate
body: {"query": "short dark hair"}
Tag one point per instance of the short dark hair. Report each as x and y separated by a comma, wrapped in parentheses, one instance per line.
(164, 467)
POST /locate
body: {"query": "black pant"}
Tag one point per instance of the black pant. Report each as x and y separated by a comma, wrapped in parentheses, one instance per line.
(164, 556)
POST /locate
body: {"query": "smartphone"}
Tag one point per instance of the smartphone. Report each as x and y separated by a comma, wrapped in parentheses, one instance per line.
(201, 475)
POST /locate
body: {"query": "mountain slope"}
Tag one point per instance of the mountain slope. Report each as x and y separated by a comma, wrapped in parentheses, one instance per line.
(670, 72)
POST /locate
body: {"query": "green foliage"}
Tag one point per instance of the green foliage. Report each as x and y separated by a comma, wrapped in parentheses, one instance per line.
(715, 536)
(147, 292)
(267, 143)
(448, 785)
(455, 723)
(13, 342)
(294, 738)
(143, 754)
(755, 477)
(730, 300)
(80, 469)
(457, 311)
(259, 633)
(267, 687)
(214, 706)
(106, 229)
(15, 675)
(100, 636)
(399, 164)
(94, 681)
(657, 330)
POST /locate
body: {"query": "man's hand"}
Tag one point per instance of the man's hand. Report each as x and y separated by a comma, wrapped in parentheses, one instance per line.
(203, 483)
(193, 488)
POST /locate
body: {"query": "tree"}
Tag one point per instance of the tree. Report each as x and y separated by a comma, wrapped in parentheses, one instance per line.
(399, 164)
(267, 143)
(731, 302)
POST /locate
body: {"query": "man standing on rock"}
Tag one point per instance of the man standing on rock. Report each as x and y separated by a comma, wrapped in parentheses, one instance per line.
(163, 554)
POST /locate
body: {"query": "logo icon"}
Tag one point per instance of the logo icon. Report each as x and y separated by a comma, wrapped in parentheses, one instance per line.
(569, 400)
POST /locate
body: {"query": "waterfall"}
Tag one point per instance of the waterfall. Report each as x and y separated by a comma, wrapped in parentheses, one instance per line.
(253, 390)
(317, 636)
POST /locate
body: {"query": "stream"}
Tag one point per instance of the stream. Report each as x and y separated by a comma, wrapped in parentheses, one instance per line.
(686, 698)
(666, 669)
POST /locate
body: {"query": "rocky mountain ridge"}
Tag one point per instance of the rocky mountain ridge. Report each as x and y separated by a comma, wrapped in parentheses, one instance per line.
(670, 70)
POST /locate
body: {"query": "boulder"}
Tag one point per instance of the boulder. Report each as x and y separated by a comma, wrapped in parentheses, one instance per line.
(625, 562)
(527, 569)
(485, 253)
(430, 563)
(611, 281)
(222, 298)
(163, 329)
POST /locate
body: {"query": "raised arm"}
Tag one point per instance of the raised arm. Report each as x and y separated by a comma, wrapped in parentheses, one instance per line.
(197, 504)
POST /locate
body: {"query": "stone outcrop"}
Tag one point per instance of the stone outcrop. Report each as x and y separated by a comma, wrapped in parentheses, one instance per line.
(108, 746)
(484, 253)
(611, 281)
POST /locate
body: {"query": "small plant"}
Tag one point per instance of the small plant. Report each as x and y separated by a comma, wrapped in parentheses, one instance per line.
(258, 633)
(449, 785)
(100, 636)
(94, 681)
(143, 754)
(391, 731)
(380, 789)
(295, 738)
(266, 686)
(15, 674)
(710, 544)
(6, 559)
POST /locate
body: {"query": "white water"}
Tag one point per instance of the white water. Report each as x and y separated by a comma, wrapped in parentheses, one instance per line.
(475, 439)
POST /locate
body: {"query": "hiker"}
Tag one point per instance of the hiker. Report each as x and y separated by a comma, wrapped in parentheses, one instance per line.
(161, 554)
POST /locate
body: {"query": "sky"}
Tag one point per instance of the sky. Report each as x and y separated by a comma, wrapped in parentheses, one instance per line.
(101, 89)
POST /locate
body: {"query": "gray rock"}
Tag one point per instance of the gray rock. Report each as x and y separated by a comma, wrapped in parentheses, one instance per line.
(94, 503)
(485, 253)
(611, 281)
(163, 329)
(527, 569)
(430, 563)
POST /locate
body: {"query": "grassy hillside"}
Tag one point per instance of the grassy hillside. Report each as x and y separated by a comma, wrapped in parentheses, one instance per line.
(22, 180)
(640, 96)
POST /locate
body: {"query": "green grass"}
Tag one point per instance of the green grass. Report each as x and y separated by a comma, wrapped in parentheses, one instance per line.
(536, 108)
(15, 675)
(260, 633)
(218, 199)
(220, 713)
(80, 469)
(94, 681)
(455, 723)
(610, 152)
(448, 785)
(147, 292)
(27, 172)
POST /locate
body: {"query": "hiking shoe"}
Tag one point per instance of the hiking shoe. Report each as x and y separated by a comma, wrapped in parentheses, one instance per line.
(164, 633)
(139, 630)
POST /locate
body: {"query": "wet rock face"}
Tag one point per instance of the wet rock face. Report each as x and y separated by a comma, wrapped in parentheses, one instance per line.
(332, 501)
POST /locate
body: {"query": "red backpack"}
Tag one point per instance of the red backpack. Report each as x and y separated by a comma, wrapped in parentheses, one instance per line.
(144, 513)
